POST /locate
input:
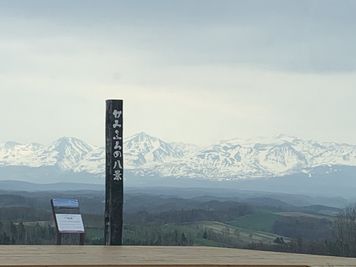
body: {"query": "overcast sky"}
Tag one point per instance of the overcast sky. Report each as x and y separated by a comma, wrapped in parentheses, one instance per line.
(190, 71)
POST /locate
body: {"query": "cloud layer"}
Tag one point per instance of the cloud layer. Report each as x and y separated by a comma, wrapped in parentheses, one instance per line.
(196, 71)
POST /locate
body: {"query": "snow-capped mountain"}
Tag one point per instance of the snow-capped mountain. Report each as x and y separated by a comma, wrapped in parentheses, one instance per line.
(64, 153)
(144, 150)
(146, 155)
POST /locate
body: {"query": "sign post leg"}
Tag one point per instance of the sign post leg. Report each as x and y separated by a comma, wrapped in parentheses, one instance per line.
(59, 238)
(81, 239)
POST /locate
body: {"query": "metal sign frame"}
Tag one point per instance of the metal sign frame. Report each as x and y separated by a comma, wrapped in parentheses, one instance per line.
(66, 207)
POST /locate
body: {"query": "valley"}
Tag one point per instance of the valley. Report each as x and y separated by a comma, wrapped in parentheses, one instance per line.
(181, 218)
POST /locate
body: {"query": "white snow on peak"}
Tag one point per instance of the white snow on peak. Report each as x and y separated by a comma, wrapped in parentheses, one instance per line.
(143, 149)
(148, 155)
(64, 152)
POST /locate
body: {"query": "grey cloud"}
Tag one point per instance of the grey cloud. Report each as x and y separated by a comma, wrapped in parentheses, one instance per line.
(301, 36)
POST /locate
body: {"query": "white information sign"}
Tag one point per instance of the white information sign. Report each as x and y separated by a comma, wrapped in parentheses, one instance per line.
(70, 223)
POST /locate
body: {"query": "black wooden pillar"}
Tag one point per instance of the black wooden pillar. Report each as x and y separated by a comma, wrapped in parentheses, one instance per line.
(114, 173)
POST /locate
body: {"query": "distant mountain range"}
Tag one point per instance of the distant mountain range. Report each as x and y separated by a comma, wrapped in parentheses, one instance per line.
(149, 156)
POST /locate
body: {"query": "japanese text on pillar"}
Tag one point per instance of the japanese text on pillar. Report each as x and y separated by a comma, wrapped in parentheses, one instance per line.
(117, 146)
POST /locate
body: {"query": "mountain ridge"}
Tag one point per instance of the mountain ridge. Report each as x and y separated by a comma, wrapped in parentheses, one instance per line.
(146, 155)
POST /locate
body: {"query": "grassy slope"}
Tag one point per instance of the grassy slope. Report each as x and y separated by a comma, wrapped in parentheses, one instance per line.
(234, 234)
(259, 221)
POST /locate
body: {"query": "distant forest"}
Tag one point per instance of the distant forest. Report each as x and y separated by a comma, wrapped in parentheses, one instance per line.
(258, 223)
